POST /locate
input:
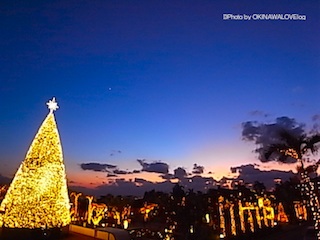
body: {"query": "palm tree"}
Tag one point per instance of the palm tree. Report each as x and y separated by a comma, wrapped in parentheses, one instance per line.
(292, 147)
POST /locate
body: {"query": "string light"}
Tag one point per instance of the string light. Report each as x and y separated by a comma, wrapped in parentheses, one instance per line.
(146, 209)
(75, 209)
(38, 195)
(282, 216)
(233, 221)
(242, 224)
(222, 220)
(291, 153)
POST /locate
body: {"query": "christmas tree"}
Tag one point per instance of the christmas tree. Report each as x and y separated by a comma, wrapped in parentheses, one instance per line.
(38, 195)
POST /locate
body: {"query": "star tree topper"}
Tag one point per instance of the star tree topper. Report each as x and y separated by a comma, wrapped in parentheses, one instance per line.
(52, 105)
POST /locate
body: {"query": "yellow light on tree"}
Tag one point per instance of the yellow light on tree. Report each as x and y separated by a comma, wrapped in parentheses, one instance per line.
(38, 195)
(233, 221)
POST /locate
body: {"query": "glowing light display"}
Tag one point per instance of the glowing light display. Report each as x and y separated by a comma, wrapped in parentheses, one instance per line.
(233, 221)
(38, 195)
(146, 209)
(75, 210)
(90, 210)
(291, 153)
(282, 216)
(307, 186)
(98, 211)
(222, 220)
(253, 210)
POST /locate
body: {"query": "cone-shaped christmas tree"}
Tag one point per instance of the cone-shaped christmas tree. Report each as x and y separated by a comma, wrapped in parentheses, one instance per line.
(38, 194)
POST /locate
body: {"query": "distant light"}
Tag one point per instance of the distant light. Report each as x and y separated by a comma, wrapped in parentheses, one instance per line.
(208, 218)
(191, 229)
(125, 224)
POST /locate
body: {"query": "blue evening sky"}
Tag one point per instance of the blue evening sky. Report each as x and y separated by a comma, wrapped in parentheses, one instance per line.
(167, 81)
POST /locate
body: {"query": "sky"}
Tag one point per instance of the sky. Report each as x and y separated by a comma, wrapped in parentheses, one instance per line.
(152, 89)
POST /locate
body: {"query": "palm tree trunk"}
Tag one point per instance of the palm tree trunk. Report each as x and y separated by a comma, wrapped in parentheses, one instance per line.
(308, 189)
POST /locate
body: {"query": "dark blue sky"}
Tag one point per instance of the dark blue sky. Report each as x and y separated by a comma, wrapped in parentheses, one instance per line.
(166, 81)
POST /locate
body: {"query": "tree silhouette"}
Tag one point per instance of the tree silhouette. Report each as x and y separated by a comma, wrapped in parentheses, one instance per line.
(259, 187)
(286, 141)
(293, 148)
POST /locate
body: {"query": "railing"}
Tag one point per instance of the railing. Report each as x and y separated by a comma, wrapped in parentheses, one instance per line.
(101, 233)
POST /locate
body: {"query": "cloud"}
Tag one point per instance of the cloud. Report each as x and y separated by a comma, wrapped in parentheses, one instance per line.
(111, 175)
(157, 167)
(258, 113)
(316, 117)
(264, 135)
(117, 171)
(114, 152)
(167, 176)
(197, 169)
(198, 183)
(249, 174)
(97, 167)
(139, 186)
(316, 125)
(180, 173)
(143, 181)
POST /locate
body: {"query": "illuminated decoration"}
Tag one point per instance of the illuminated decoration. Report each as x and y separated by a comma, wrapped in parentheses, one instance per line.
(146, 209)
(125, 216)
(168, 233)
(115, 214)
(75, 210)
(98, 212)
(183, 201)
(250, 220)
(222, 220)
(38, 195)
(207, 217)
(52, 105)
(125, 224)
(268, 216)
(89, 212)
(191, 229)
(308, 189)
(282, 216)
(307, 186)
(242, 223)
(248, 207)
(291, 153)
(3, 190)
(264, 206)
(233, 221)
(258, 217)
(300, 210)
(268, 212)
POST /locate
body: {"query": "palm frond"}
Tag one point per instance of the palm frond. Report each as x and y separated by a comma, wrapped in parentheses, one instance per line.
(278, 149)
(311, 143)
